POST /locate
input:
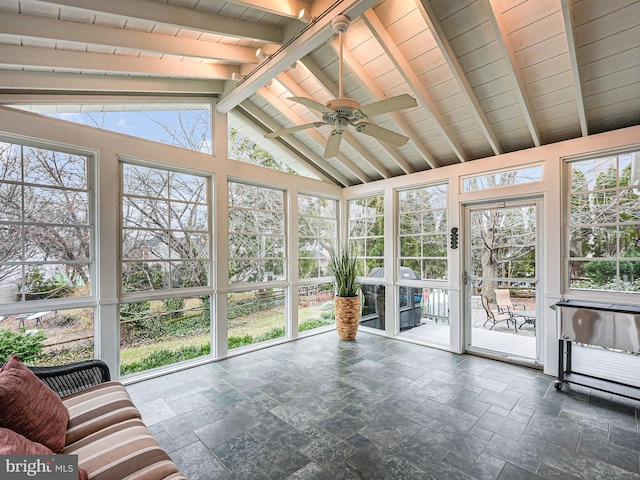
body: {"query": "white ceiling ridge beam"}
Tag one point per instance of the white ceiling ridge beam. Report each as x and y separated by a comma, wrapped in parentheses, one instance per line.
(288, 83)
(320, 163)
(429, 15)
(329, 87)
(317, 33)
(516, 79)
(361, 73)
(312, 133)
(26, 81)
(22, 25)
(283, 8)
(16, 56)
(567, 14)
(320, 75)
(396, 56)
(180, 17)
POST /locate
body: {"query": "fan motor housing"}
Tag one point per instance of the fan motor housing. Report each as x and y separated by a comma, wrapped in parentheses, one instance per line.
(344, 107)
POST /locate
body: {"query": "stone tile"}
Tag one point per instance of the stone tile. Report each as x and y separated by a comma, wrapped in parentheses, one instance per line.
(155, 411)
(342, 425)
(328, 453)
(311, 471)
(222, 430)
(280, 462)
(469, 405)
(183, 424)
(555, 430)
(237, 450)
(463, 443)
(457, 461)
(439, 391)
(512, 472)
(448, 415)
(486, 467)
(388, 430)
(525, 453)
(521, 414)
(504, 426)
(374, 463)
(593, 443)
(625, 438)
(197, 462)
(358, 441)
(506, 399)
(447, 472)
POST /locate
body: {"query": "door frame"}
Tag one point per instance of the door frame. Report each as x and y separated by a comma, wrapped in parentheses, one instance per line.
(486, 204)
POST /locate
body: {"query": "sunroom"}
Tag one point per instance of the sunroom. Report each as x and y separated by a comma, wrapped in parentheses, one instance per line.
(174, 175)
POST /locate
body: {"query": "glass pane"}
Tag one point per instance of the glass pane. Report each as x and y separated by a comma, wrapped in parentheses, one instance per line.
(373, 315)
(434, 246)
(57, 243)
(11, 245)
(144, 244)
(55, 337)
(629, 200)
(630, 241)
(10, 202)
(502, 179)
(46, 167)
(357, 227)
(255, 316)
(315, 306)
(593, 275)
(48, 205)
(145, 181)
(49, 281)
(410, 246)
(410, 223)
(187, 216)
(189, 188)
(189, 274)
(158, 333)
(593, 174)
(145, 213)
(189, 245)
(10, 162)
(144, 276)
(435, 269)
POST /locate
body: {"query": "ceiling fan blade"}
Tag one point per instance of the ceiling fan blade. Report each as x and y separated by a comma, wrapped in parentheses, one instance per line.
(387, 105)
(297, 128)
(307, 102)
(333, 144)
(382, 133)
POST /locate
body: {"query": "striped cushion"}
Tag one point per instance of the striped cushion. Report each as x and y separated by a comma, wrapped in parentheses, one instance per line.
(125, 450)
(96, 408)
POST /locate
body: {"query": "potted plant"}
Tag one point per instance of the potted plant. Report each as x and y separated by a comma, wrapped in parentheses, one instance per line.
(342, 265)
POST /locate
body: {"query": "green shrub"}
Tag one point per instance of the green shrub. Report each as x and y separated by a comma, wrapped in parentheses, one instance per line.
(235, 342)
(160, 358)
(314, 323)
(26, 346)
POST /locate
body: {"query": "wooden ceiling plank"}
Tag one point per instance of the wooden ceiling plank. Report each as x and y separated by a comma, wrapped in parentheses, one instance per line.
(429, 15)
(366, 79)
(21, 25)
(27, 81)
(314, 135)
(181, 17)
(320, 164)
(297, 91)
(314, 36)
(394, 53)
(120, 64)
(510, 62)
(283, 8)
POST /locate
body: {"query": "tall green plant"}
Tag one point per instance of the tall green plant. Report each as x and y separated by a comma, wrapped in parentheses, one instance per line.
(343, 266)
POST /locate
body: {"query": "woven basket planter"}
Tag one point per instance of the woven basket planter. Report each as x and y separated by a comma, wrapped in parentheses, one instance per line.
(347, 317)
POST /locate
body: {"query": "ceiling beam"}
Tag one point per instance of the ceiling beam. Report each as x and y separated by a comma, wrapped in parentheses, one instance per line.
(14, 56)
(296, 145)
(357, 68)
(180, 17)
(510, 62)
(296, 91)
(26, 81)
(320, 75)
(284, 8)
(396, 56)
(317, 33)
(21, 25)
(429, 15)
(567, 15)
(312, 133)
(329, 87)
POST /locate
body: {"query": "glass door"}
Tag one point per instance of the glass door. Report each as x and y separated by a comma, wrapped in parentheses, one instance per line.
(501, 280)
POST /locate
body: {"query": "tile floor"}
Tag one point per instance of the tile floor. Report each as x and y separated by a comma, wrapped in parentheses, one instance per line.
(378, 408)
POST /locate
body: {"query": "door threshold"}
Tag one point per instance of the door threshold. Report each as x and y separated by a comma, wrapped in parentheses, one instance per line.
(504, 357)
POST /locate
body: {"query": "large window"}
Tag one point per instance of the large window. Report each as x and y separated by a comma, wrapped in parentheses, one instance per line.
(366, 232)
(256, 234)
(603, 223)
(166, 238)
(317, 233)
(46, 224)
(423, 232)
(165, 229)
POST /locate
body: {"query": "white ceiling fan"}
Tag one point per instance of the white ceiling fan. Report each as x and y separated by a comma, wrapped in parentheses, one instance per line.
(342, 111)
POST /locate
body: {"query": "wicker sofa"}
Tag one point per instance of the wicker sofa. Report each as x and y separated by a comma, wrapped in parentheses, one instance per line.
(105, 429)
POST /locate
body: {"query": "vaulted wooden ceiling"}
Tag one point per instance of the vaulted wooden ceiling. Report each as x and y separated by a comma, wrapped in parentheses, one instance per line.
(489, 76)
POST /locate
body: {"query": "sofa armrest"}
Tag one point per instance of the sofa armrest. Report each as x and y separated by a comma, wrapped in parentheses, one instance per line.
(73, 377)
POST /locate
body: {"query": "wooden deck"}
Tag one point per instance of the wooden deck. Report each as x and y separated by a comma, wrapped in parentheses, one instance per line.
(518, 345)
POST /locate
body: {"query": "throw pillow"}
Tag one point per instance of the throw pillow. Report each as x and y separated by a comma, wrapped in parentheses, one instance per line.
(31, 408)
(12, 443)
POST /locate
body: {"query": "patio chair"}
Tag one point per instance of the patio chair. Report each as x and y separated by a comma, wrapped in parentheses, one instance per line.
(503, 301)
(494, 319)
